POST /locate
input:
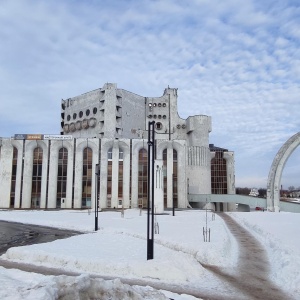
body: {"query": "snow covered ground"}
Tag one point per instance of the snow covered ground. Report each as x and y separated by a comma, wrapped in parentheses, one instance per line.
(119, 248)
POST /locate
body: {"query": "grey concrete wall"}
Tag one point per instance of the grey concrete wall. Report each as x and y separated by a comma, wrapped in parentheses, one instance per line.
(5, 172)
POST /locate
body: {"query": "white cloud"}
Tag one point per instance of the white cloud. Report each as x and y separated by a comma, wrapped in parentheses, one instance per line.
(236, 63)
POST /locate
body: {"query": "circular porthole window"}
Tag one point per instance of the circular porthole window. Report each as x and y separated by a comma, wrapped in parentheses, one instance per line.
(78, 125)
(154, 116)
(150, 116)
(164, 116)
(159, 104)
(159, 116)
(164, 104)
(178, 126)
(66, 128)
(72, 127)
(85, 124)
(92, 122)
(154, 104)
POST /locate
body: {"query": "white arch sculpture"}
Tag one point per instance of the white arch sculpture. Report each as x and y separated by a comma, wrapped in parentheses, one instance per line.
(274, 179)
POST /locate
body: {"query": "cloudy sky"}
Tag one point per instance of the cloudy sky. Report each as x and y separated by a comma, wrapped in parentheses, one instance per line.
(236, 61)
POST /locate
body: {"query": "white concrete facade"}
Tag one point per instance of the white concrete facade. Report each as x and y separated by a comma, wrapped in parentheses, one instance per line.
(113, 125)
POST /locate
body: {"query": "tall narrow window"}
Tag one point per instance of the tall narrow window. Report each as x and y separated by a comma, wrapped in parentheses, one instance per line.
(120, 183)
(62, 176)
(109, 177)
(218, 174)
(175, 181)
(142, 178)
(13, 177)
(165, 178)
(87, 178)
(37, 168)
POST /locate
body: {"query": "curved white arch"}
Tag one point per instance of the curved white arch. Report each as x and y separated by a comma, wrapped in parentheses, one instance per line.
(274, 179)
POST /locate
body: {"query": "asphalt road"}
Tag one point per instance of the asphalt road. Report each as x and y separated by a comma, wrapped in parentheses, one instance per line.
(14, 234)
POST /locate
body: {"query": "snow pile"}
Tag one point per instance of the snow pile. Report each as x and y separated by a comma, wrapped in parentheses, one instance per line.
(34, 286)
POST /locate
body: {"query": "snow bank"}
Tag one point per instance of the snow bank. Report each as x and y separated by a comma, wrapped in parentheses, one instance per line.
(28, 286)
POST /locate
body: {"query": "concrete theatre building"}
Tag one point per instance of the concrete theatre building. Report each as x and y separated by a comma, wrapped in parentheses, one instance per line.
(109, 127)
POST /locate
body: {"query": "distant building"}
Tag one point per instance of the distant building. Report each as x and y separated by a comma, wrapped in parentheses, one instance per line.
(109, 127)
(254, 192)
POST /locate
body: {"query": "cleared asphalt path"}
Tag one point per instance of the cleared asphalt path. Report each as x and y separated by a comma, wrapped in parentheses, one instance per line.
(251, 278)
(14, 234)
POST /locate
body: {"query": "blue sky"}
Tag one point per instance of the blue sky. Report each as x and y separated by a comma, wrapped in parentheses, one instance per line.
(236, 61)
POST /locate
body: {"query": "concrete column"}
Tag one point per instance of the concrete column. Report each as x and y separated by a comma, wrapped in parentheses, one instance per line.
(225, 206)
(78, 173)
(45, 146)
(180, 147)
(70, 147)
(126, 174)
(115, 175)
(169, 176)
(27, 175)
(229, 156)
(105, 145)
(199, 171)
(158, 186)
(94, 145)
(5, 173)
(53, 171)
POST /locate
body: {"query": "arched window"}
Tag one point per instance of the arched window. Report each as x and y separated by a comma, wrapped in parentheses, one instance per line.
(218, 174)
(109, 176)
(120, 183)
(62, 176)
(87, 177)
(142, 178)
(165, 178)
(13, 177)
(175, 181)
(37, 168)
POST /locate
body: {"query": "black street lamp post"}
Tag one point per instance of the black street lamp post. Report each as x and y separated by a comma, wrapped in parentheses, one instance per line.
(97, 174)
(150, 227)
